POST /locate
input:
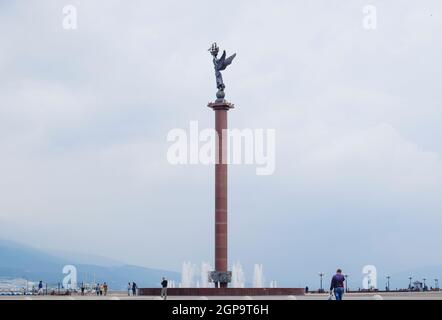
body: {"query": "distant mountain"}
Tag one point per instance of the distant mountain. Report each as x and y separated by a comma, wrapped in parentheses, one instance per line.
(83, 258)
(21, 261)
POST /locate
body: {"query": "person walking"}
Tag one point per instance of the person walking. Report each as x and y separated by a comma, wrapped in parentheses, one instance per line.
(105, 288)
(97, 289)
(40, 288)
(134, 288)
(129, 288)
(82, 289)
(164, 289)
(337, 285)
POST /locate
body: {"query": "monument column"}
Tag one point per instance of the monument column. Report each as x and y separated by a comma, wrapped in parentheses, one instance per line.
(221, 234)
(221, 276)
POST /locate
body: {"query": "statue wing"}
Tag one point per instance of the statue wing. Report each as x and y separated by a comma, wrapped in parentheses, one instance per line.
(226, 62)
(220, 61)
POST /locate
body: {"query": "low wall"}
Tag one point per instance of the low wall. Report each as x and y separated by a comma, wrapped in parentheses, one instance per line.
(223, 291)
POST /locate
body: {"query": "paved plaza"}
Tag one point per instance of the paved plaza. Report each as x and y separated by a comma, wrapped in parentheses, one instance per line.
(349, 296)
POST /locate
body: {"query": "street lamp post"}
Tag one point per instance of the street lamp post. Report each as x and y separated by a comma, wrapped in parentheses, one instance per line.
(424, 289)
(388, 283)
(321, 275)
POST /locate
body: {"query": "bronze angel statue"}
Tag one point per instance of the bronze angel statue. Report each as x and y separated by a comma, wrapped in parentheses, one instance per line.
(220, 65)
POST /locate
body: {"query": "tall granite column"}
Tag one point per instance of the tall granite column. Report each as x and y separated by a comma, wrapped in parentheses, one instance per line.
(221, 240)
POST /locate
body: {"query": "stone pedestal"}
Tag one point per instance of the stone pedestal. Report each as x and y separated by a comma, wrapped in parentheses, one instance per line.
(217, 292)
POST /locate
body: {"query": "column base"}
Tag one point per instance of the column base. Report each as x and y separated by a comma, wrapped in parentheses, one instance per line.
(220, 278)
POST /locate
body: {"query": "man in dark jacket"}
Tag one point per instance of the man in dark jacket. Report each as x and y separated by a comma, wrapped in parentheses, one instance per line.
(40, 287)
(164, 288)
(337, 285)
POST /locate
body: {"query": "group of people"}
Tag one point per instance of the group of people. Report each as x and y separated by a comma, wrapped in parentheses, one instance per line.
(101, 289)
(337, 287)
(132, 289)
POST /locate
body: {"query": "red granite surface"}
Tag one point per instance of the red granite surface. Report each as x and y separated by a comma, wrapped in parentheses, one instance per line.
(223, 291)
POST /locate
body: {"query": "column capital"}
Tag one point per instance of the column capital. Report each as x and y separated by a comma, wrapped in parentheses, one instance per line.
(221, 105)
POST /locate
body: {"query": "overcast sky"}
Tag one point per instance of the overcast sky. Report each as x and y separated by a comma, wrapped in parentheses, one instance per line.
(84, 116)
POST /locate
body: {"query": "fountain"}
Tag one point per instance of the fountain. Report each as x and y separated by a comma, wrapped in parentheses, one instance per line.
(258, 276)
(205, 270)
(237, 276)
(195, 282)
(187, 275)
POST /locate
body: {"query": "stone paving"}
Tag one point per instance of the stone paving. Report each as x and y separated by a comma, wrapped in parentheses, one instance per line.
(349, 296)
